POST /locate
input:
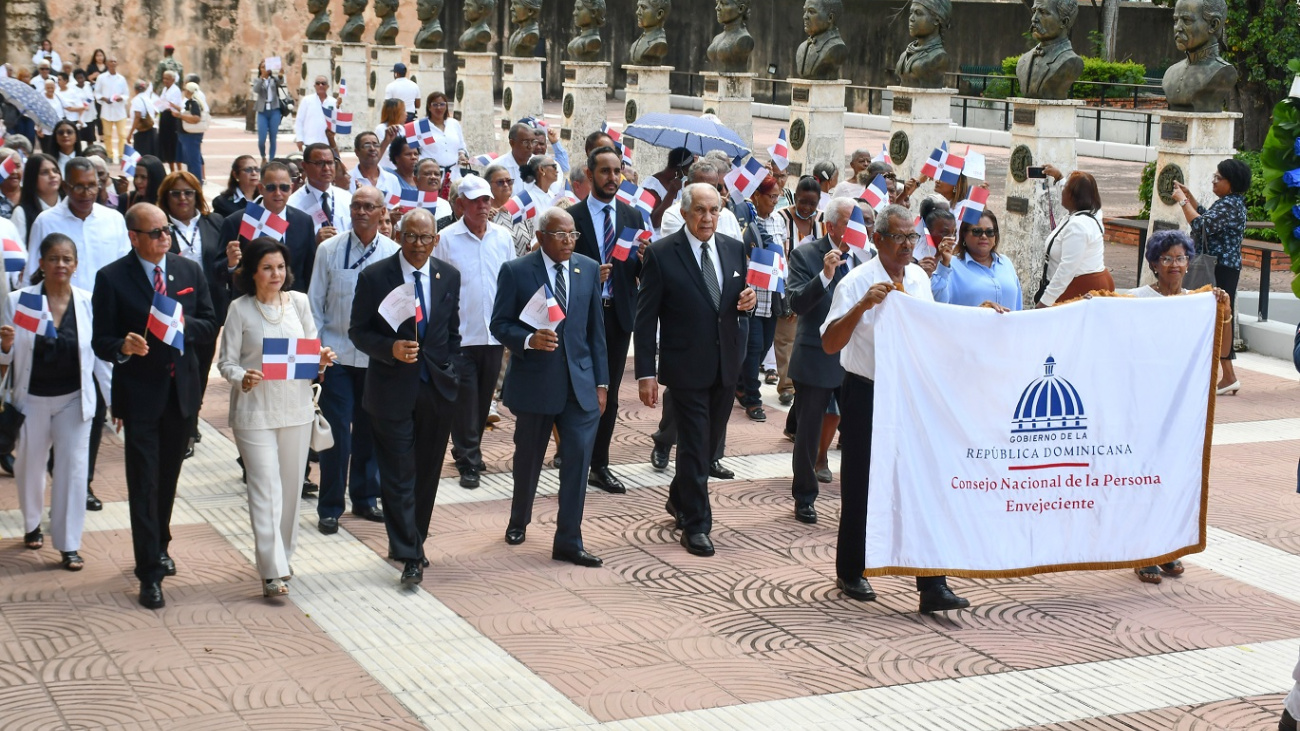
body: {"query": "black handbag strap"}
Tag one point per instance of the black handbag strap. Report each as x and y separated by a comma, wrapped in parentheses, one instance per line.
(1047, 255)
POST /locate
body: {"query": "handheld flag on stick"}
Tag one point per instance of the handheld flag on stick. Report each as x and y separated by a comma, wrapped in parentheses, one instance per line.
(637, 197)
(765, 270)
(780, 152)
(485, 160)
(130, 158)
(290, 359)
(629, 240)
(167, 321)
(10, 166)
(521, 207)
(934, 164)
(343, 88)
(258, 221)
(972, 209)
(15, 256)
(339, 121)
(419, 133)
(33, 315)
(743, 180)
(416, 199)
(951, 172)
(925, 246)
(877, 194)
(855, 234)
(883, 155)
(553, 309)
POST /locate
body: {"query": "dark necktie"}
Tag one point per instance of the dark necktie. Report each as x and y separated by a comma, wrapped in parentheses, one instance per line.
(327, 207)
(607, 249)
(561, 289)
(160, 286)
(421, 321)
(710, 277)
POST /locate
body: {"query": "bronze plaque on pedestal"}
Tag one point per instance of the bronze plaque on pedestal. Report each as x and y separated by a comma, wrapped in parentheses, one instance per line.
(1173, 131)
(795, 169)
(566, 134)
(507, 68)
(633, 78)
(460, 62)
(1017, 204)
(711, 87)
(800, 94)
(570, 74)
(903, 104)
(1025, 116)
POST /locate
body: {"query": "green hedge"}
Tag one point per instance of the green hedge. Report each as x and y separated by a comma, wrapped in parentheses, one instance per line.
(1094, 69)
(1256, 206)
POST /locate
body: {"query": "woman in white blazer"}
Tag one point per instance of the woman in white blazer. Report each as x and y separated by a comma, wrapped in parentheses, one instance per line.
(53, 386)
(271, 419)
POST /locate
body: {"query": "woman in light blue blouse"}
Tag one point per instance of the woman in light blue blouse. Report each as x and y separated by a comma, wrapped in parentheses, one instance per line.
(975, 273)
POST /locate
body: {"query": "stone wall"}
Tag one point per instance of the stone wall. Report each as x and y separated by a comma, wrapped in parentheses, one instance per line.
(222, 40)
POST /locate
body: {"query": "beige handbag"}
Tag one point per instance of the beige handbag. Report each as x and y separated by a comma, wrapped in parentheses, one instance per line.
(322, 438)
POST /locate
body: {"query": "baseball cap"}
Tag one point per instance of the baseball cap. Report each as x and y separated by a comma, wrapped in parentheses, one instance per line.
(169, 47)
(399, 68)
(472, 186)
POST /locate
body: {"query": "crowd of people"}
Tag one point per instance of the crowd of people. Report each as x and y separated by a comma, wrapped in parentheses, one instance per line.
(420, 312)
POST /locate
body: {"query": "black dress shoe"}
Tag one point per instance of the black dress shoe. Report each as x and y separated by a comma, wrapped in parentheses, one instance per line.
(413, 573)
(824, 475)
(579, 557)
(169, 566)
(805, 514)
(92, 502)
(151, 596)
(722, 473)
(371, 513)
(604, 479)
(309, 488)
(698, 544)
(857, 589)
(557, 462)
(423, 562)
(469, 479)
(941, 599)
(328, 526)
(672, 510)
(189, 449)
(659, 457)
(198, 438)
(514, 536)
(7, 463)
(1287, 722)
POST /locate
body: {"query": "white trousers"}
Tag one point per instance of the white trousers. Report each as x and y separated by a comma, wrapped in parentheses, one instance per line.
(275, 460)
(54, 421)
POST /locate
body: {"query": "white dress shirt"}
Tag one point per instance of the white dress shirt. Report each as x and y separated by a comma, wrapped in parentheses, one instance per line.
(110, 86)
(406, 90)
(388, 184)
(187, 238)
(69, 99)
(56, 63)
(713, 256)
(852, 258)
(408, 277)
(173, 96)
(38, 82)
(859, 355)
(672, 222)
(143, 103)
(507, 161)
(339, 261)
(550, 279)
(479, 261)
(309, 200)
(87, 92)
(450, 141)
(100, 239)
(309, 124)
(1078, 248)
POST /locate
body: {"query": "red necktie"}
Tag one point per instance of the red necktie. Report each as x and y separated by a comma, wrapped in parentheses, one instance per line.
(160, 287)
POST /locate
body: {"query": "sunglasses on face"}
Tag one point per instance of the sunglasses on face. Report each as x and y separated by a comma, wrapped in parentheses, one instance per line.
(181, 193)
(979, 232)
(153, 234)
(277, 187)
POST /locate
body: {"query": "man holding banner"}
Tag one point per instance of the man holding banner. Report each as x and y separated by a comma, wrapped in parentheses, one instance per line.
(558, 375)
(849, 331)
(155, 384)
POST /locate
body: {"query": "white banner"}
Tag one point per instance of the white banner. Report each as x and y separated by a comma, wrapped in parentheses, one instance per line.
(1069, 438)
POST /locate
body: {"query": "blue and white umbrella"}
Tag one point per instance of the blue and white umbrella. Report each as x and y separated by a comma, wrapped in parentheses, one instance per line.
(29, 102)
(697, 134)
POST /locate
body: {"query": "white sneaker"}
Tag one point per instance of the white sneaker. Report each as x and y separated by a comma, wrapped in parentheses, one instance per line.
(493, 416)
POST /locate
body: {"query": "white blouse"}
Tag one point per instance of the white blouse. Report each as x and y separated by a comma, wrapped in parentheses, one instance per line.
(270, 404)
(1077, 248)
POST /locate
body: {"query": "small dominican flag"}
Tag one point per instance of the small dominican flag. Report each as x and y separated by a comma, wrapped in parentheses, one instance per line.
(167, 321)
(973, 207)
(765, 269)
(15, 255)
(855, 234)
(130, 158)
(743, 180)
(339, 121)
(521, 207)
(883, 155)
(8, 167)
(553, 310)
(416, 199)
(290, 359)
(485, 160)
(419, 133)
(260, 222)
(629, 240)
(612, 133)
(32, 314)
(934, 165)
(343, 88)
(925, 247)
(952, 165)
(780, 152)
(637, 197)
(627, 156)
(877, 194)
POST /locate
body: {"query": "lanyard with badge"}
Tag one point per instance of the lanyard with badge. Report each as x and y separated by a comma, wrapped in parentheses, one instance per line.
(187, 240)
(347, 254)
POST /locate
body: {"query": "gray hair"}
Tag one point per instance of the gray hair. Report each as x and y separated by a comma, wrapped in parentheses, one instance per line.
(424, 160)
(170, 73)
(493, 169)
(537, 161)
(577, 174)
(889, 213)
(838, 210)
(825, 170)
(519, 127)
(101, 165)
(411, 215)
(549, 216)
(690, 191)
(141, 85)
(77, 163)
(19, 143)
(861, 151)
(879, 167)
(703, 166)
(719, 159)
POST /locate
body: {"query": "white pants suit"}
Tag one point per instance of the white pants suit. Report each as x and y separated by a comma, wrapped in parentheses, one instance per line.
(53, 421)
(274, 460)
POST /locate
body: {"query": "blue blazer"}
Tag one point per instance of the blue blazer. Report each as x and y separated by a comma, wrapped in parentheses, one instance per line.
(538, 382)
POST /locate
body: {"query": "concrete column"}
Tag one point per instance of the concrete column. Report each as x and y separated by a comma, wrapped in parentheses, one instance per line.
(816, 123)
(475, 73)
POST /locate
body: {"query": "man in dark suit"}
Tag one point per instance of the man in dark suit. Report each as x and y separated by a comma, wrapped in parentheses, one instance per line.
(815, 269)
(155, 386)
(411, 386)
(557, 377)
(600, 219)
(300, 237)
(693, 294)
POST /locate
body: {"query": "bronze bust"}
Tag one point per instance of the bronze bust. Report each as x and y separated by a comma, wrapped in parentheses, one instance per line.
(588, 16)
(729, 51)
(478, 35)
(823, 53)
(1202, 81)
(319, 27)
(1051, 68)
(924, 62)
(386, 13)
(356, 22)
(523, 39)
(429, 36)
(651, 46)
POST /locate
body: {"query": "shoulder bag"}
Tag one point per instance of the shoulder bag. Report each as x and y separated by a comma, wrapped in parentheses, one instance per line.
(286, 102)
(322, 437)
(1200, 268)
(11, 419)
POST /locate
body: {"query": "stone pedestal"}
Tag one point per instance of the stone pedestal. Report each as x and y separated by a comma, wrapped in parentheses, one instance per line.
(1042, 133)
(428, 69)
(521, 93)
(920, 120)
(731, 97)
(475, 74)
(317, 60)
(816, 124)
(382, 60)
(1190, 148)
(352, 64)
(584, 99)
(647, 93)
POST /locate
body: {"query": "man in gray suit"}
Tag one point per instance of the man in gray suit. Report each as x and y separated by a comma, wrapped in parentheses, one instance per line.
(557, 378)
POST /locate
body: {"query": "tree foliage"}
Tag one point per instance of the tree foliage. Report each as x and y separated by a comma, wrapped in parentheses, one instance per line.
(1280, 159)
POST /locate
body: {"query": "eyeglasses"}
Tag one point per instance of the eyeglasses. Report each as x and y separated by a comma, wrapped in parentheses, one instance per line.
(320, 163)
(890, 176)
(1167, 260)
(438, 105)
(250, 170)
(911, 238)
(277, 187)
(153, 234)
(981, 232)
(369, 145)
(84, 189)
(563, 235)
(426, 239)
(180, 193)
(366, 208)
(322, 83)
(507, 182)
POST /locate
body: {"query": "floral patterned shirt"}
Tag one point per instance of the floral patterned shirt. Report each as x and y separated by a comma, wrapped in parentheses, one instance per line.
(1222, 227)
